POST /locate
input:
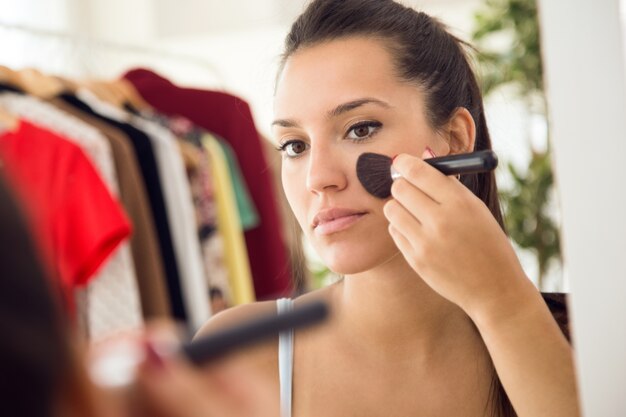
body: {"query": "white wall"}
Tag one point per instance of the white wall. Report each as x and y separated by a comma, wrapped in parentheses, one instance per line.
(586, 81)
(50, 14)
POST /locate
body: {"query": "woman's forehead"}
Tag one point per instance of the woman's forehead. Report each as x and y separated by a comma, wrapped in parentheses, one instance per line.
(337, 71)
(350, 56)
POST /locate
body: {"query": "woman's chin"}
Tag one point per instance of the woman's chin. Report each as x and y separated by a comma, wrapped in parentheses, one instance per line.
(353, 262)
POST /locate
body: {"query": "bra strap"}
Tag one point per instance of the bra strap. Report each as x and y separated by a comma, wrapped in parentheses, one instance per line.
(285, 360)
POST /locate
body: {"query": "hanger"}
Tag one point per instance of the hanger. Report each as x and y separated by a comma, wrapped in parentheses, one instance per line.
(35, 83)
(8, 80)
(104, 91)
(7, 75)
(125, 47)
(133, 98)
(8, 121)
(69, 86)
(119, 93)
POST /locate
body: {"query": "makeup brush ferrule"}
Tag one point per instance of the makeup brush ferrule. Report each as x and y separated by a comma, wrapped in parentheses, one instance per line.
(395, 174)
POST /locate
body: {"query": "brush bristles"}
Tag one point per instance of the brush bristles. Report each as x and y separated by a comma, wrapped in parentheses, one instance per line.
(374, 172)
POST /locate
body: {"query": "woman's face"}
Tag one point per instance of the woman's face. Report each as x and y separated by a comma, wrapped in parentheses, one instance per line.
(333, 102)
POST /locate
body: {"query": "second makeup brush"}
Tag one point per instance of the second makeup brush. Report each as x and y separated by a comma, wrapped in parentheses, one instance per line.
(117, 368)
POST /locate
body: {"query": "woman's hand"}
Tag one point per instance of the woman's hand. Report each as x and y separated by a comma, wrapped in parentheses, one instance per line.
(449, 237)
(454, 243)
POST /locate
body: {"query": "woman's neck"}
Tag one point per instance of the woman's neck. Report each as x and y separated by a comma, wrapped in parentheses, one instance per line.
(392, 309)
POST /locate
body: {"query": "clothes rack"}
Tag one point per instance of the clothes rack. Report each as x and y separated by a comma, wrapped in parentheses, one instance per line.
(93, 42)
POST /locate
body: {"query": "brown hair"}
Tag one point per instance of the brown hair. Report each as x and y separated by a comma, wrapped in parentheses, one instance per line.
(426, 55)
(34, 353)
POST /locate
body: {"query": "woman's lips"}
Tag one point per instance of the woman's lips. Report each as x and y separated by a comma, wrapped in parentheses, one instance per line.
(337, 224)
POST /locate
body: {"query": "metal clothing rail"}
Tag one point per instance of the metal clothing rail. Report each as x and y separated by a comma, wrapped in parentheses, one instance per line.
(100, 43)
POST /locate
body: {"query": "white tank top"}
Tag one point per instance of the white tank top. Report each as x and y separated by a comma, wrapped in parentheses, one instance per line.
(285, 360)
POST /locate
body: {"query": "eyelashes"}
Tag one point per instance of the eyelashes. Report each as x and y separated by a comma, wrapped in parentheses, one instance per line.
(290, 148)
(370, 127)
(358, 132)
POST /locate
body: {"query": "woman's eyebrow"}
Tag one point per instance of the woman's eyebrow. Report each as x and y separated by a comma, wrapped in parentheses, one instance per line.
(337, 111)
(351, 105)
(285, 123)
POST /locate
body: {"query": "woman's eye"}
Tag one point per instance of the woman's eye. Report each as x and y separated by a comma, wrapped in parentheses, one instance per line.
(294, 148)
(363, 130)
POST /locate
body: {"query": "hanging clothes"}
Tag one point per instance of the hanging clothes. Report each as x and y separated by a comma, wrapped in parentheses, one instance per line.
(192, 160)
(144, 154)
(230, 118)
(248, 216)
(235, 254)
(180, 207)
(201, 182)
(89, 139)
(149, 267)
(75, 219)
(200, 179)
(113, 300)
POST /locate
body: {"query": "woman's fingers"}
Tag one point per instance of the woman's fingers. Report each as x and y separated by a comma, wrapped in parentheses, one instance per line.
(401, 242)
(404, 222)
(413, 199)
(425, 177)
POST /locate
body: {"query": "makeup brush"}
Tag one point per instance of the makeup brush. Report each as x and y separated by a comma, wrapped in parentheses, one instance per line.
(261, 327)
(117, 368)
(375, 172)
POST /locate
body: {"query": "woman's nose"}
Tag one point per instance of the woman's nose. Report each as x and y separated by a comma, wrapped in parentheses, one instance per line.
(326, 171)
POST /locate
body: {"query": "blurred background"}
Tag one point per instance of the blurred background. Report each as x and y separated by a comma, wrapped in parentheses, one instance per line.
(234, 47)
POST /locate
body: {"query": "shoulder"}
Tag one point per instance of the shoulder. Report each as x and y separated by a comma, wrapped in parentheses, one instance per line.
(263, 355)
(236, 315)
(245, 312)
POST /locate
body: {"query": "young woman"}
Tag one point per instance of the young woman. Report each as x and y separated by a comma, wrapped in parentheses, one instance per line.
(433, 304)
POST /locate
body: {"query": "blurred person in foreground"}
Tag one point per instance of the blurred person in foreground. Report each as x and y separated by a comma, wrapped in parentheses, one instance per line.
(43, 366)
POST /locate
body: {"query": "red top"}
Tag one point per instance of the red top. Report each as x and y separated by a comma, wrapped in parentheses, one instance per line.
(74, 219)
(230, 117)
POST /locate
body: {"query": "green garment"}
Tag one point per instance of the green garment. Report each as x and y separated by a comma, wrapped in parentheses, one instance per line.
(247, 211)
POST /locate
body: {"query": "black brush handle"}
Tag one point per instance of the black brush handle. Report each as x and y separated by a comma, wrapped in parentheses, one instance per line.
(466, 163)
(214, 345)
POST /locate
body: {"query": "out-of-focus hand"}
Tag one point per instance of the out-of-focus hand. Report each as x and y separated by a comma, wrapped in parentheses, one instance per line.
(171, 387)
(166, 385)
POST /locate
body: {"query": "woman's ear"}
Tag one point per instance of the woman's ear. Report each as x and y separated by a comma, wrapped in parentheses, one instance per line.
(461, 131)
